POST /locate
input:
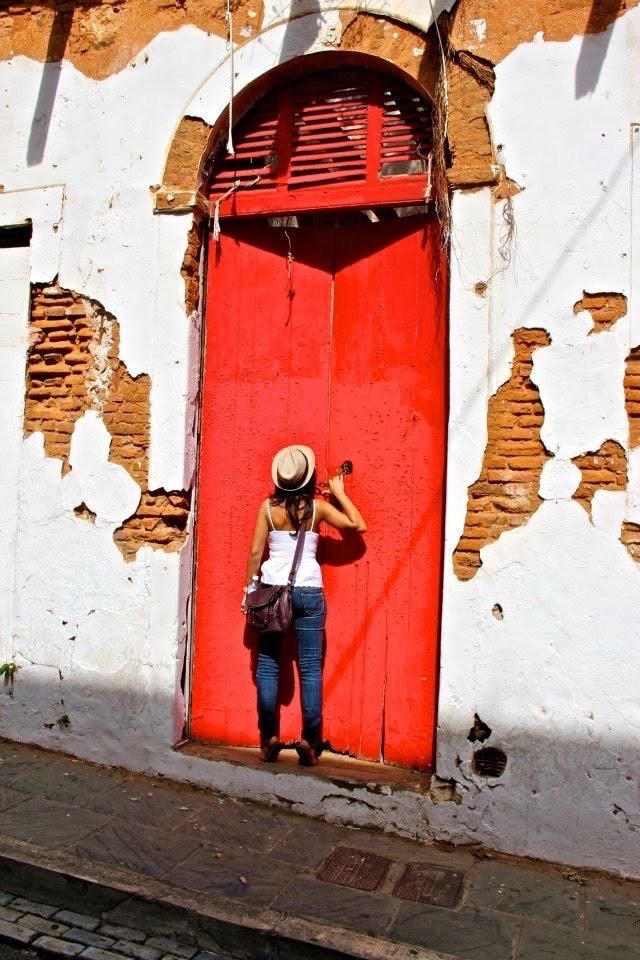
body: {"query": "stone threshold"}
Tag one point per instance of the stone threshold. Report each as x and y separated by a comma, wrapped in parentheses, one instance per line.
(333, 767)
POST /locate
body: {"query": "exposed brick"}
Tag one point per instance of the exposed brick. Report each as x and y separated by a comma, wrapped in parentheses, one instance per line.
(161, 520)
(191, 266)
(100, 39)
(605, 469)
(78, 370)
(393, 41)
(471, 82)
(630, 537)
(508, 24)
(605, 309)
(188, 148)
(632, 395)
(505, 494)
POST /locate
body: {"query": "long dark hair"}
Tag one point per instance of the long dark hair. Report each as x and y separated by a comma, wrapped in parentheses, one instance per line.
(298, 505)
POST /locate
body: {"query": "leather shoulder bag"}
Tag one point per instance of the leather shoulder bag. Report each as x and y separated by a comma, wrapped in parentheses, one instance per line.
(269, 608)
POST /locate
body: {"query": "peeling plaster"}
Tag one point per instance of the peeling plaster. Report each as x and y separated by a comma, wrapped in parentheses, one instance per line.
(570, 606)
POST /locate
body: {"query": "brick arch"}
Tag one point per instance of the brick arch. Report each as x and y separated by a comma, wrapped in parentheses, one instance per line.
(379, 40)
(194, 143)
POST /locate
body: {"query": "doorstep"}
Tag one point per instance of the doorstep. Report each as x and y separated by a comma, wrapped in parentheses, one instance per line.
(333, 767)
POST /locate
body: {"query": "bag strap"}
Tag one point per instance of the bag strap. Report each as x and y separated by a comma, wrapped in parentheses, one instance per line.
(298, 553)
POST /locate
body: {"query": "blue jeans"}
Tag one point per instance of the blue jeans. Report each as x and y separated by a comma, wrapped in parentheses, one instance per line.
(309, 614)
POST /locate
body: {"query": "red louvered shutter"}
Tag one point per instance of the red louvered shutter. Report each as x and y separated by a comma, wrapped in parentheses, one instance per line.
(342, 138)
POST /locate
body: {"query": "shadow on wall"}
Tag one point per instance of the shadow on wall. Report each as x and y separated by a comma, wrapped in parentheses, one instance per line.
(51, 69)
(593, 51)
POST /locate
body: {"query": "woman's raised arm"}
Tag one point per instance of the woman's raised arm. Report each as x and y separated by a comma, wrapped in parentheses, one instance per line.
(348, 517)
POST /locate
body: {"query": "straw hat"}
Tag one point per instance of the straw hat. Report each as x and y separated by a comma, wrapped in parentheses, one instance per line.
(292, 467)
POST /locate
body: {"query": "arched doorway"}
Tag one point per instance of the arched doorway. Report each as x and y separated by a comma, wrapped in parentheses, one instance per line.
(325, 324)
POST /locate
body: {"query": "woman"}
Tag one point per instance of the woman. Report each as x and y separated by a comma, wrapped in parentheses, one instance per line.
(279, 519)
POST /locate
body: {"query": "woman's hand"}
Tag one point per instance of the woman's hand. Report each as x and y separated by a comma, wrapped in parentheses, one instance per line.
(336, 485)
(243, 602)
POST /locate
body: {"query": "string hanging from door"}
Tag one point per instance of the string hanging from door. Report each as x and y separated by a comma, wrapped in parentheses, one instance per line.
(236, 185)
(230, 46)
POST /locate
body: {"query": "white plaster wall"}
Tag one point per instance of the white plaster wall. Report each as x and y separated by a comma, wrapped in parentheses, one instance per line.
(101, 641)
(14, 312)
(555, 679)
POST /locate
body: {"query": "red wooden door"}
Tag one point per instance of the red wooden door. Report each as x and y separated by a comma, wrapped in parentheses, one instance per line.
(332, 337)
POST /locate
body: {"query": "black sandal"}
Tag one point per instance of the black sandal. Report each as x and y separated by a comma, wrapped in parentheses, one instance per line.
(271, 751)
(307, 756)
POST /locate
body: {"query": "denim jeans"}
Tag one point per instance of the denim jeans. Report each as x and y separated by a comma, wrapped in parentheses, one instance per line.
(309, 614)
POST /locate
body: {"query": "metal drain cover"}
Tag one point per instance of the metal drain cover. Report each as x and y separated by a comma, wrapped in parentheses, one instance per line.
(425, 883)
(354, 868)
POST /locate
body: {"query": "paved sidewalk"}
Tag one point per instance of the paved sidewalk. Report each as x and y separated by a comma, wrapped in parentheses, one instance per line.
(209, 873)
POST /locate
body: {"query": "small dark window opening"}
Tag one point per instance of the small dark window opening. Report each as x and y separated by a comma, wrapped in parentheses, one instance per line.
(15, 236)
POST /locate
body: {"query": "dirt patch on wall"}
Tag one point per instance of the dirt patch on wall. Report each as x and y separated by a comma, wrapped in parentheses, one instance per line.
(471, 82)
(493, 28)
(191, 265)
(103, 37)
(181, 179)
(603, 469)
(416, 54)
(505, 495)
(73, 366)
(605, 309)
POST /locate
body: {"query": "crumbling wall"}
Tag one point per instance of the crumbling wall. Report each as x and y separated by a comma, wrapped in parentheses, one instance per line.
(605, 309)
(103, 38)
(160, 521)
(632, 395)
(605, 469)
(505, 495)
(72, 367)
(497, 27)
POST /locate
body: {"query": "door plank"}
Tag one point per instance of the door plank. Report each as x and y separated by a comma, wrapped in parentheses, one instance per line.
(265, 386)
(387, 413)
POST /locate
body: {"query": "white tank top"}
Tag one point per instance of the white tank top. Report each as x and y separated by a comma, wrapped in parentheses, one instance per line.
(275, 570)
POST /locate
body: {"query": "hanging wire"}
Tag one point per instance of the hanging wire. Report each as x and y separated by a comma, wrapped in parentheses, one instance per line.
(441, 132)
(229, 18)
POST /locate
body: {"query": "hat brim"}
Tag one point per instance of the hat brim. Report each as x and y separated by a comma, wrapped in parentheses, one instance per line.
(311, 465)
